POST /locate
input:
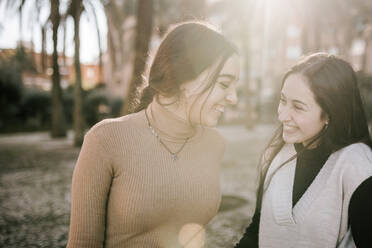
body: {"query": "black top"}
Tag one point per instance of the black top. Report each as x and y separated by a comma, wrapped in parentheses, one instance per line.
(308, 165)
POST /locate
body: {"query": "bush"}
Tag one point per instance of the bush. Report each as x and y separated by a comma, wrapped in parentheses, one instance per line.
(68, 105)
(10, 95)
(36, 109)
(99, 104)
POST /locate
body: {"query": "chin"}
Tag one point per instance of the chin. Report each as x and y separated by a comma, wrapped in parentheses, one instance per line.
(210, 123)
(289, 140)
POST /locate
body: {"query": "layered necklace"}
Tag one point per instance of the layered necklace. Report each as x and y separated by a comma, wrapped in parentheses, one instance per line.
(173, 154)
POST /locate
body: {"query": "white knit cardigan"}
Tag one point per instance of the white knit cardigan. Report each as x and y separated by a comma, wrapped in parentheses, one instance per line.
(320, 217)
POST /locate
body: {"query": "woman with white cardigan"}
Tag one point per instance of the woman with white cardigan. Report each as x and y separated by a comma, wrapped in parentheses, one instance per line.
(315, 175)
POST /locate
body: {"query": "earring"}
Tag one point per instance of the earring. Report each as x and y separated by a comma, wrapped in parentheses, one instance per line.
(326, 125)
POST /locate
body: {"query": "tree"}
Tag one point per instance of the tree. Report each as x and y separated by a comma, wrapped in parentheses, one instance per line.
(142, 40)
(119, 15)
(75, 10)
(100, 63)
(58, 118)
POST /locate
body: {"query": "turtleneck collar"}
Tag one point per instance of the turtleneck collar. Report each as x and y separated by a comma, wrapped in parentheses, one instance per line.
(168, 125)
(317, 155)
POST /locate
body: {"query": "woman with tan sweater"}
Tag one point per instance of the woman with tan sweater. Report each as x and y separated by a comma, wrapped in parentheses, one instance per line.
(151, 178)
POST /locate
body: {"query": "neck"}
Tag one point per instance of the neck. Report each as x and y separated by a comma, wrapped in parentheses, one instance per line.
(173, 105)
(171, 124)
(315, 141)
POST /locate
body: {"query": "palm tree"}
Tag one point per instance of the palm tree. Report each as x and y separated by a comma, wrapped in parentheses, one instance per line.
(58, 118)
(91, 8)
(118, 15)
(18, 4)
(75, 10)
(142, 40)
(58, 128)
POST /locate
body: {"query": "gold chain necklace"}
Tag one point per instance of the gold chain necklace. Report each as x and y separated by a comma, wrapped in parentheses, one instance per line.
(173, 154)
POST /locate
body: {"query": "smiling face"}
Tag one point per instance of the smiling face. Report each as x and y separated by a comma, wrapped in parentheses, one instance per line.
(298, 111)
(206, 108)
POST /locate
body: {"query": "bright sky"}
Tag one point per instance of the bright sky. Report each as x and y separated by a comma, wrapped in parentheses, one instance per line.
(9, 31)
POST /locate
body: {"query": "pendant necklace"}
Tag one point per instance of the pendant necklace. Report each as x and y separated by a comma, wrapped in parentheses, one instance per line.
(173, 154)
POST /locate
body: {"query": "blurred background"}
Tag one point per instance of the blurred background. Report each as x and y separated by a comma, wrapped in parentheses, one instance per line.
(67, 64)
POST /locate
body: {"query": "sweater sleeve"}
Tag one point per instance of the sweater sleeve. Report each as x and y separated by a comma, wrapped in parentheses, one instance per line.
(250, 237)
(360, 215)
(91, 183)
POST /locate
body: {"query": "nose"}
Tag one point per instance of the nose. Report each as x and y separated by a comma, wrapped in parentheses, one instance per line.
(283, 113)
(232, 97)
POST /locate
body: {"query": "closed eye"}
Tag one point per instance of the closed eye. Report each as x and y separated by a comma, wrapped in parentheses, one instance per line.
(224, 85)
(282, 100)
(298, 108)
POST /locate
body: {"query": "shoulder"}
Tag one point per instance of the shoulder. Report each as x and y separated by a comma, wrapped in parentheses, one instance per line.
(113, 128)
(211, 139)
(214, 135)
(357, 154)
(355, 164)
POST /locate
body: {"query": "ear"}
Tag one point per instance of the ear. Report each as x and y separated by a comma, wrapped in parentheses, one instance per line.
(324, 116)
(184, 92)
(327, 119)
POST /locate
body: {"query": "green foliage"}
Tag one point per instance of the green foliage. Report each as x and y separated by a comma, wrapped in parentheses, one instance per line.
(35, 109)
(15, 105)
(68, 104)
(99, 104)
(29, 109)
(10, 94)
(23, 60)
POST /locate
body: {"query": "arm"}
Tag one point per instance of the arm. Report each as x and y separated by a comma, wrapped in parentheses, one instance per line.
(250, 237)
(91, 182)
(360, 215)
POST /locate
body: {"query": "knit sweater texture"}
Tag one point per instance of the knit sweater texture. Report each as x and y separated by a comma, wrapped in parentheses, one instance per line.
(127, 191)
(320, 217)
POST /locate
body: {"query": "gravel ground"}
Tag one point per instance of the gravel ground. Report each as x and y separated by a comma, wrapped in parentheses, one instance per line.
(35, 187)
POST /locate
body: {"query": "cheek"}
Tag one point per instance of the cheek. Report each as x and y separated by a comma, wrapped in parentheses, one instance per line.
(310, 125)
(216, 96)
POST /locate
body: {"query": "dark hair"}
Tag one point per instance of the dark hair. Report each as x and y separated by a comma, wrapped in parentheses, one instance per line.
(187, 50)
(335, 87)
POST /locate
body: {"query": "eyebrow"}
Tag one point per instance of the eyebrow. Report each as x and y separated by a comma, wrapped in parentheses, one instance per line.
(295, 101)
(229, 76)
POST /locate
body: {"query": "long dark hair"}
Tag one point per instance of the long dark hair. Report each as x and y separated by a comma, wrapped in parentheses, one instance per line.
(187, 50)
(335, 87)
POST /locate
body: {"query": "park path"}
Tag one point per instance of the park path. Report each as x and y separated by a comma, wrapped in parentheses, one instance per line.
(35, 187)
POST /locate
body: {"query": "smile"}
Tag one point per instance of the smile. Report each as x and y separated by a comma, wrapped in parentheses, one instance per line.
(220, 108)
(289, 129)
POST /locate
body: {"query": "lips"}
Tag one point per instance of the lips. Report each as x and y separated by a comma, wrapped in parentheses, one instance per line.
(219, 108)
(289, 129)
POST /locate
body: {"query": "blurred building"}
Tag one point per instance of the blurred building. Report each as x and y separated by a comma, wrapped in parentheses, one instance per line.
(40, 77)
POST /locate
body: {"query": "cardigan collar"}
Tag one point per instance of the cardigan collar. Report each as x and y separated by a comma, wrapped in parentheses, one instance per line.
(282, 185)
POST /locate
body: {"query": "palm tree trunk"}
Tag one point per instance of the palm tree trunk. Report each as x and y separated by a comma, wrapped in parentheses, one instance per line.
(78, 101)
(58, 118)
(20, 8)
(43, 48)
(64, 41)
(364, 62)
(142, 40)
(100, 63)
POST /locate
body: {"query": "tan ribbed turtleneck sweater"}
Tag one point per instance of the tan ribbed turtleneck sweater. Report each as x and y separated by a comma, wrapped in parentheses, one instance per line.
(127, 191)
